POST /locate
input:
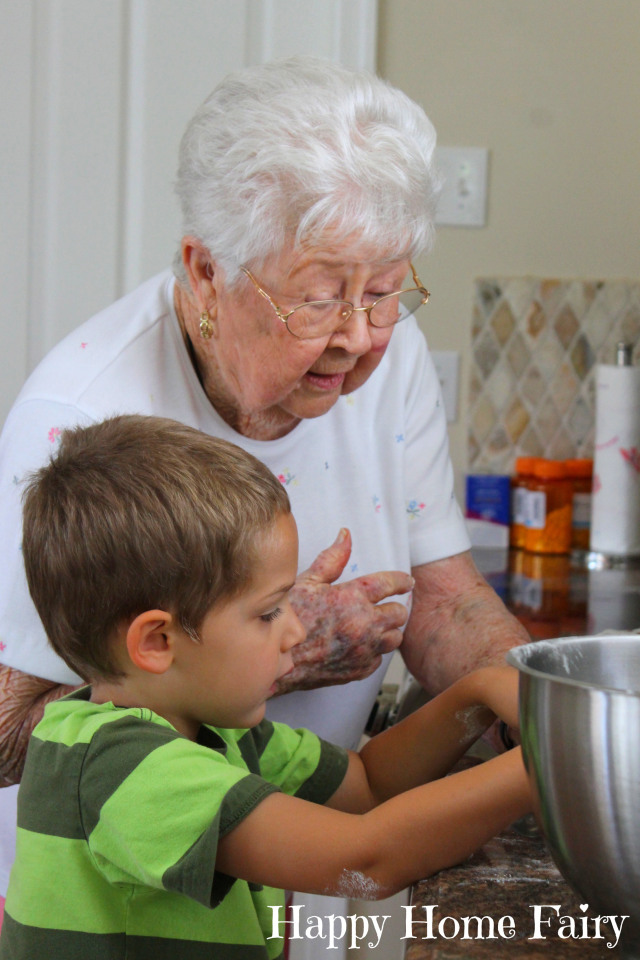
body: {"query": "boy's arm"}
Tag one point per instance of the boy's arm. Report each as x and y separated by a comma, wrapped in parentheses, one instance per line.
(428, 743)
(293, 844)
(416, 830)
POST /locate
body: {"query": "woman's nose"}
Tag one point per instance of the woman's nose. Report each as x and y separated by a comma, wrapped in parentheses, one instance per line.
(354, 335)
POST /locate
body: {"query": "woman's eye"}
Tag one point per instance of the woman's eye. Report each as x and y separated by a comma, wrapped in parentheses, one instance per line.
(272, 615)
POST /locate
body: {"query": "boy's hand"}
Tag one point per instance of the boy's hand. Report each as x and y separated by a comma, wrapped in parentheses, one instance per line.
(497, 688)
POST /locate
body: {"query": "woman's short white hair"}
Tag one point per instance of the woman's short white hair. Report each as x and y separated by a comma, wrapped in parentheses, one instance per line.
(305, 151)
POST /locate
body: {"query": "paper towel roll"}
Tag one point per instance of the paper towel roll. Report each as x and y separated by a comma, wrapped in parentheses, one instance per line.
(615, 504)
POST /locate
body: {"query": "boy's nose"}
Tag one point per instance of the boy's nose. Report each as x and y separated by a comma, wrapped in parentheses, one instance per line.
(295, 633)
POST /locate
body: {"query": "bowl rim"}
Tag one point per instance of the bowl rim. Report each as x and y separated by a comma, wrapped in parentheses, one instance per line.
(512, 658)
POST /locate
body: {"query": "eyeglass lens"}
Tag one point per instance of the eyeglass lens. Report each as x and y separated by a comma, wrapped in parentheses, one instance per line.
(319, 318)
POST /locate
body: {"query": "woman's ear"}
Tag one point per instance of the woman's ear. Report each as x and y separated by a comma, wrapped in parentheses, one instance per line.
(200, 270)
(149, 641)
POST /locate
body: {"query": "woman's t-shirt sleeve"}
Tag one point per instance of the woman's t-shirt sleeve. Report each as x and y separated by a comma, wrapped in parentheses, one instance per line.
(435, 523)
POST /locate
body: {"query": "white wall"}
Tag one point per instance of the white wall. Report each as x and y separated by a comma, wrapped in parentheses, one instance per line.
(95, 95)
(552, 88)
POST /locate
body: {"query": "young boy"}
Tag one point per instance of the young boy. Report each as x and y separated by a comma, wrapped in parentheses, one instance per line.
(158, 808)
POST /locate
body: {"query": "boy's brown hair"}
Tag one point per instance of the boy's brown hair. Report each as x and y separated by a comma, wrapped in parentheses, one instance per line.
(137, 513)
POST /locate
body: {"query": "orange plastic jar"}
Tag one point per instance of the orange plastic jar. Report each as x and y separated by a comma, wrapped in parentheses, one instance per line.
(580, 473)
(550, 503)
(519, 491)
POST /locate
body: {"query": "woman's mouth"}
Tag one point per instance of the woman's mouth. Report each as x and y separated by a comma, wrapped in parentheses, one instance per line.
(325, 381)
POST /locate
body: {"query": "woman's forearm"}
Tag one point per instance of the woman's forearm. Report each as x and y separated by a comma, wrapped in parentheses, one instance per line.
(22, 702)
(457, 624)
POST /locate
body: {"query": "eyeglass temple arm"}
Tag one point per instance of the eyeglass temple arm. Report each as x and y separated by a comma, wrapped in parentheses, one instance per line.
(418, 282)
(416, 279)
(263, 293)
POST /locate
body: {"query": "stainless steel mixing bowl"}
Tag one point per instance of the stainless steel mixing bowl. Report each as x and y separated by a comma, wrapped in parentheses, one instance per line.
(580, 726)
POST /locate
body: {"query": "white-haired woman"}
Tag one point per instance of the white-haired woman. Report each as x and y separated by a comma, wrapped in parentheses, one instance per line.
(306, 191)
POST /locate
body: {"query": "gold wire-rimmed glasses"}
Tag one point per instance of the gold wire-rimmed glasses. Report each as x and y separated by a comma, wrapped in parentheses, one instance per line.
(321, 318)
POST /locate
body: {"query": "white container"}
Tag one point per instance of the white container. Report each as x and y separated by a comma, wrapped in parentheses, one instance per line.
(615, 505)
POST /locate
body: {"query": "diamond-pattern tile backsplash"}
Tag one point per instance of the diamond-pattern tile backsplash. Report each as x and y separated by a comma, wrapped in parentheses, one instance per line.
(535, 343)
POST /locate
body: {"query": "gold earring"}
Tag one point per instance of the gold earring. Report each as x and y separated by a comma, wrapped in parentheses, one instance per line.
(206, 327)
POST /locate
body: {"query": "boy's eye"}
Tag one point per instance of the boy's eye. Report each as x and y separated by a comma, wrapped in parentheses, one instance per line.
(272, 615)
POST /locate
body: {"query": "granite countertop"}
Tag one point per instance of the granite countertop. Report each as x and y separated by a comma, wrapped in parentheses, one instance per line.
(513, 876)
(510, 880)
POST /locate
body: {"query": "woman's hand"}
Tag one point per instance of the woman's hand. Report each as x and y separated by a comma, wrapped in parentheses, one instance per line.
(22, 702)
(348, 629)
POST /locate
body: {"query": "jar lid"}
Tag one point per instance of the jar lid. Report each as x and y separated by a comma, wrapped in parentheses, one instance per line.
(550, 469)
(579, 467)
(525, 465)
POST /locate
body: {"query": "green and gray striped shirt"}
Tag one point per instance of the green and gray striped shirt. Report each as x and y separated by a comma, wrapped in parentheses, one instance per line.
(119, 818)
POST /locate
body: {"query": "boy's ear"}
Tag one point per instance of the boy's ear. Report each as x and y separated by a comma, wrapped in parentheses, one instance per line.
(149, 641)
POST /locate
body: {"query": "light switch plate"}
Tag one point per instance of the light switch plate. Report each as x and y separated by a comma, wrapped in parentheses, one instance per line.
(463, 200)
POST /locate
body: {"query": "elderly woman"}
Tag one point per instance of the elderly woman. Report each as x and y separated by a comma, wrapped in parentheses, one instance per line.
(287, 328)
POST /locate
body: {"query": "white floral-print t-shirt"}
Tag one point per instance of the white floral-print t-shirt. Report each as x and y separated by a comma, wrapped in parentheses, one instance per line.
(376, 463)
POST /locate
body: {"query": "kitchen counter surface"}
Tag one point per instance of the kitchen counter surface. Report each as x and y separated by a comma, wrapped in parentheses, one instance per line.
(557, 596)
(513, 876)
(510, 880)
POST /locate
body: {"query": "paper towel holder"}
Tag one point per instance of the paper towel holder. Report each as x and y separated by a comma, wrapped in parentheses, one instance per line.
(603, 561)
